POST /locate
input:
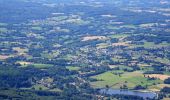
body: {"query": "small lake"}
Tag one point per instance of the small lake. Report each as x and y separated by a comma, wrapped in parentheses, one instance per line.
(150, 95)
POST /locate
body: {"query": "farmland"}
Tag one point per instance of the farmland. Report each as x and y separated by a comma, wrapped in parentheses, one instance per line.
(130, 79)
(71, 49)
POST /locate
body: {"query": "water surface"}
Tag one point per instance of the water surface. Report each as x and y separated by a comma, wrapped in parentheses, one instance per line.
(129, 92)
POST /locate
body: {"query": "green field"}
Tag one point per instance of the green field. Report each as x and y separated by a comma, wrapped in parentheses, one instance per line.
(152, 45)
(73, 68)
(115, 81)
(102, 45)
(3, 30)
(39, 87)
(119, 35)
(36, 65)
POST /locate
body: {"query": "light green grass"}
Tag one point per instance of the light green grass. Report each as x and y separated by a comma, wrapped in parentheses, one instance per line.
(38, 86)
(162, 60)
(122, 67)
(118, 36)
(118, 59)
(3, 30)
(128, 26)
(59, 18)
(132, 78)
(71, 68)
(102, 45)
(78, 21)
(167, 73)
(152, 45)
(42, 65)
(68, 57)
(36, 65)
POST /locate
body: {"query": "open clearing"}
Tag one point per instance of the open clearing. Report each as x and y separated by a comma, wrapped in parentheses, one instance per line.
(23, 63)
(116, 81)
(158, 87)
(20, 51)
(3, 57)
(36, 65)
(87, 38)
(71, 68)
(159, 76)
(121, 44)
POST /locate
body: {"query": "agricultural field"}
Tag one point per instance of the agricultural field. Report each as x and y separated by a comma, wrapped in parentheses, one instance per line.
(117, 81)
(72, 49)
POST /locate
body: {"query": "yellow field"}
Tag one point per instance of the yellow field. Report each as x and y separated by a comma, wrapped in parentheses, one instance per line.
(159, 76)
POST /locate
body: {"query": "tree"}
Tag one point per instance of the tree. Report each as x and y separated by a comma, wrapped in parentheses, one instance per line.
(167, 81)
(40, 88)
(107, 86)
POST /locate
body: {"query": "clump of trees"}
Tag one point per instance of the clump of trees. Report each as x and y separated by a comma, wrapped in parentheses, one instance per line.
(165, 90)
(138, 87)
(167, 81)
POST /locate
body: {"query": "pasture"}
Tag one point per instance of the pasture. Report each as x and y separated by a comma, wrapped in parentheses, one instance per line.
(116, 81)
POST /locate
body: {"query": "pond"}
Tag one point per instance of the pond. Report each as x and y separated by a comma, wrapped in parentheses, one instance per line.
(150, 95)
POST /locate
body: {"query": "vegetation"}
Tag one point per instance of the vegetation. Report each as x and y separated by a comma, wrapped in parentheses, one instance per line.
(69, 49)
(167, 81)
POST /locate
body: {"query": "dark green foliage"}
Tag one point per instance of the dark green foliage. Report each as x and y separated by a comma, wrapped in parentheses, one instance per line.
(167, 81)
(165, 90)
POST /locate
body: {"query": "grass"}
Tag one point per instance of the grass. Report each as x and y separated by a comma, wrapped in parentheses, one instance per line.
(148, 68)
(119, 27)
(71, 68)
(119, 36)
(152, 45)
(3, 30)
(115, 81)
(42, 65)
(68, 57)
(116, 59)
(102, 45)
(38, 86)
(55, 90)
(47, 55)
(59, 18)
(20, 51)
(158, 87)
(148, 44)
(162, 60)
(78, 21)
(23, 63)
(128, 26)
(167, 73)
(148, 24)
(122, 67)
(36, 65)
(50, 55)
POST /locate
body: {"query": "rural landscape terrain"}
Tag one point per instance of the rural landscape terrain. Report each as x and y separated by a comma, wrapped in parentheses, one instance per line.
(84, 50)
